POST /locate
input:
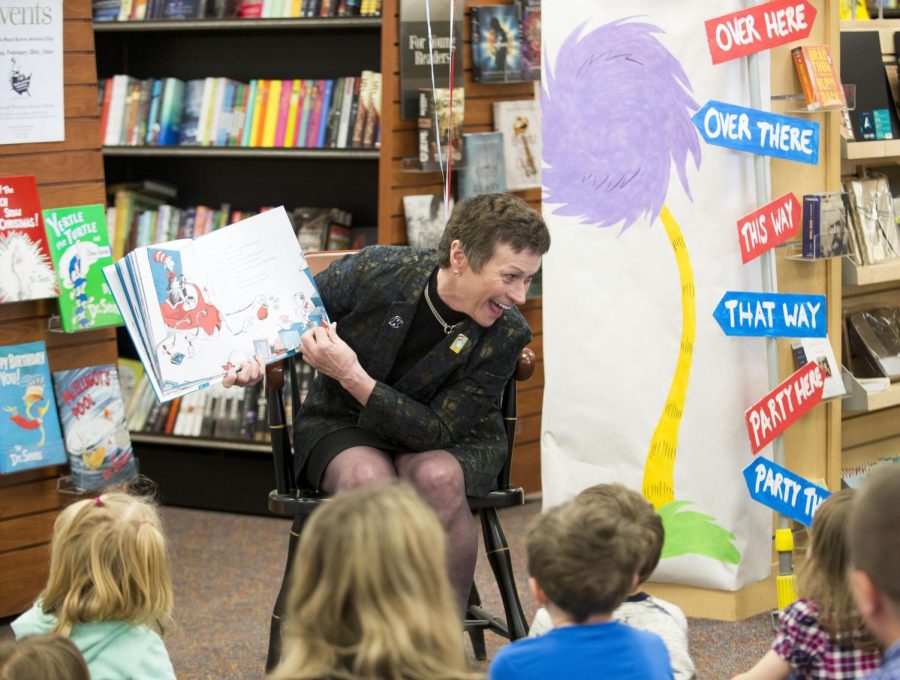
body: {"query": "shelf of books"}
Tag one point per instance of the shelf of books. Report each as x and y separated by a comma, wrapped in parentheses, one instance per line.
(192, 25)
(228, 152)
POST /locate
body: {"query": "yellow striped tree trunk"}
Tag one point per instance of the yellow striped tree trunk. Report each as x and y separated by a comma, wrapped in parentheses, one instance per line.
(659, 478)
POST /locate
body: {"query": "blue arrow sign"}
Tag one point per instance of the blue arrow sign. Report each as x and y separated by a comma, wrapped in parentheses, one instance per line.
(759, 132)
(776, 315)
(783, 491)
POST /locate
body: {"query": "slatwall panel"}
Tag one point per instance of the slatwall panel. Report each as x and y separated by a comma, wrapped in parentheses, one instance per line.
(68, 173)
(398, 142)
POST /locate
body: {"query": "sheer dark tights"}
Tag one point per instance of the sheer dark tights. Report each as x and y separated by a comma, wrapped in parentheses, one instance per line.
(437, 476)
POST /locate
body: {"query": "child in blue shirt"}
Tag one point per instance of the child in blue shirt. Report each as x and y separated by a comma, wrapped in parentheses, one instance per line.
(583, 559)
(874, 541)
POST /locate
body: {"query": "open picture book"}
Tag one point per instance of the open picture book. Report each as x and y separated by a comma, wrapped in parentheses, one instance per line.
(197, 307)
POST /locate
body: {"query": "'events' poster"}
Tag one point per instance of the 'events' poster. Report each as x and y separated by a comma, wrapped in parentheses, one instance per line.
(31, 71)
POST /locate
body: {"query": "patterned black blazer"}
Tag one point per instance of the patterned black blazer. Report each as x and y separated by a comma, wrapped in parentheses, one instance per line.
(448, 400)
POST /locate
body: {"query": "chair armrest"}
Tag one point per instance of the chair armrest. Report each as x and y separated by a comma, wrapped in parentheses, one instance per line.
(525, 365)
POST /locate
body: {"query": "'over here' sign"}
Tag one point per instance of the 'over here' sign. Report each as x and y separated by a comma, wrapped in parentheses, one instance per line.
(759, 28)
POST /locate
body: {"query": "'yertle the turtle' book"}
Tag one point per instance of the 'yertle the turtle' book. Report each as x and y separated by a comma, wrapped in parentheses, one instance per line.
(80, 248)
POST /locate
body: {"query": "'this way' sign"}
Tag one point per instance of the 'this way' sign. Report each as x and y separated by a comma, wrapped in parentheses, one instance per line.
(768, 227)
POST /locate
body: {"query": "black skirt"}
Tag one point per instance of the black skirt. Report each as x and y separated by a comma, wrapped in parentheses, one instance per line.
(335, 442)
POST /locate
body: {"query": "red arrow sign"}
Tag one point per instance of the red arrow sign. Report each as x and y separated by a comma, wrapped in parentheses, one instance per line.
(784, 405)
(759, 28)
(769, 226)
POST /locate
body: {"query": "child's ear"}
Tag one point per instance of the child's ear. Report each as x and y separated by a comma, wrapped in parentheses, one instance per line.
(635, 582)
(539, 596)
(865, 594)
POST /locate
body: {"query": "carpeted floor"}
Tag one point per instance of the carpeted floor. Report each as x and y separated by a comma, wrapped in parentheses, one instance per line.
(227, 569)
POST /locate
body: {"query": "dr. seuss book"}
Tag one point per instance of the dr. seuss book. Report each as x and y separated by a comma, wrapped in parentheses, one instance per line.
(818, 77)
(29, 428)
(79, 246)
(483, 169)
(496, 50)
(520, 123)
(196, 308)
(25, 269)
(93, 421)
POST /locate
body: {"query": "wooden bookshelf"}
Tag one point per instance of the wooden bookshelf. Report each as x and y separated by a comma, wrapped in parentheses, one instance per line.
(68, 173)
(190, 25)
(869, 428)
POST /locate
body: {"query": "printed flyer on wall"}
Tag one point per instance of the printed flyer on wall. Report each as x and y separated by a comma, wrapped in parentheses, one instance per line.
(31, 72)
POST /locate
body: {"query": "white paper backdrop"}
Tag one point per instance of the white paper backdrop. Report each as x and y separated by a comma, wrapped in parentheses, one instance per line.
(612, 300)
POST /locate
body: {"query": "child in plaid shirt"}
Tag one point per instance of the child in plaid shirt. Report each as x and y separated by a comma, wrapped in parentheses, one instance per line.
(875, 556)
(821, 637)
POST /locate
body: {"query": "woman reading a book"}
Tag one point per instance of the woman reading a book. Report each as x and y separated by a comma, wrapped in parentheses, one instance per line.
(410, 370)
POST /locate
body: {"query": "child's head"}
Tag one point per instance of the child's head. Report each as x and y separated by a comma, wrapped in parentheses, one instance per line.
(874, 540)
(633, 506)
(585, 557)
(370, 595)
(108, 562)
(823, 577)
(42, 657)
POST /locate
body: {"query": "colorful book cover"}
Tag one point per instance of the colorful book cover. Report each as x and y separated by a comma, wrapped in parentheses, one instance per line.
(520, 123)
(29, 428)
(93, 421)
(26, 272)
(818, 77)
(496, 50)
(79, 246)
(196, 308)
(483, 170)
(530, 37)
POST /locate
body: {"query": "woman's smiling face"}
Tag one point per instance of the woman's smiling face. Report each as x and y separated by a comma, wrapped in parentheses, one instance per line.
(501, 284)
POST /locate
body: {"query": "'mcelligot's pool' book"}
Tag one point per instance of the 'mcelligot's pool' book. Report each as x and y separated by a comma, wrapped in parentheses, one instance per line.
(29, 427)
(93, 421)
(197, 307)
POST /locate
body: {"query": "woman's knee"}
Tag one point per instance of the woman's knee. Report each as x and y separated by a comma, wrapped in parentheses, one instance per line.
(440, 480)
(354, 469)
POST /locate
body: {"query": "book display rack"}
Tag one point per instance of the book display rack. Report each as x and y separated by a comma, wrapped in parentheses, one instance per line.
(869, 431)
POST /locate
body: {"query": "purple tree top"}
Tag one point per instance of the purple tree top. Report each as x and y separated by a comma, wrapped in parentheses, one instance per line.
(616, 115)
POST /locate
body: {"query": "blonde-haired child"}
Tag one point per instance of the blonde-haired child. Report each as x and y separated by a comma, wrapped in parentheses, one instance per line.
(370, 596)
(109, 588)
(42, 657)
(821, 635)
